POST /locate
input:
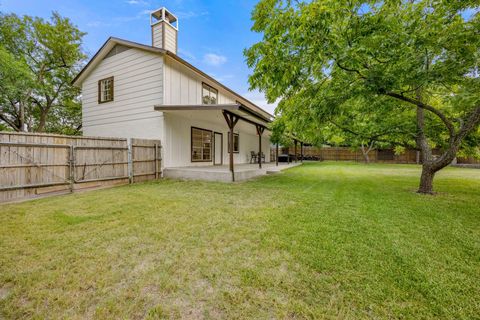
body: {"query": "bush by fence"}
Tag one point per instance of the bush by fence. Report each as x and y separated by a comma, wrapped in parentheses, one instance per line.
(39, 164)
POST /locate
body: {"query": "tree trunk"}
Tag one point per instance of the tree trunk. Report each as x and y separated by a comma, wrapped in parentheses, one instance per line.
(426, 180)
(42, 121)
(21, 120)
(431, 165)
(366, 151)
(43, 117)
(428, 172)
(366, 157)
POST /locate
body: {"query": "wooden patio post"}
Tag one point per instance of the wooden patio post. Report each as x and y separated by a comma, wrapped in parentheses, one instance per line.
(260, 130)
(276, 154)
(231, 122)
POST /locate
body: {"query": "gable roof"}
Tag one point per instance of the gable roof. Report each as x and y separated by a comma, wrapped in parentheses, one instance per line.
(112, 41)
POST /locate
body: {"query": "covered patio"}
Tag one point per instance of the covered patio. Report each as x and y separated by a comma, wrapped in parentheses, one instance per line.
(223, 173)
(218, 120)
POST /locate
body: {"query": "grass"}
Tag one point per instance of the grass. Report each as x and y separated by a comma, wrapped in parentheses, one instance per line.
(329, 240)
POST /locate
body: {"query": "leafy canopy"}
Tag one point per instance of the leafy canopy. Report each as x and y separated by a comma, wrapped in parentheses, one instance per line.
(38, 60)
(334, 60)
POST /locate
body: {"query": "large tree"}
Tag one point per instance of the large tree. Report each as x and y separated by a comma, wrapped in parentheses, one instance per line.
(15, 82)
(46, 56)
(423, 54)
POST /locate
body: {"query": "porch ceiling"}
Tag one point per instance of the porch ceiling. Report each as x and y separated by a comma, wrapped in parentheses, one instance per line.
(215, 117)
(213, 111)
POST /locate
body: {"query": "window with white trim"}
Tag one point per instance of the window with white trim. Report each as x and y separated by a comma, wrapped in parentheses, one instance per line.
(105, 90)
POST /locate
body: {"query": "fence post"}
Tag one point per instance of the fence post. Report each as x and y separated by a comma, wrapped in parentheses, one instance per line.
(130, 161)
(71, 167)
(156, 161)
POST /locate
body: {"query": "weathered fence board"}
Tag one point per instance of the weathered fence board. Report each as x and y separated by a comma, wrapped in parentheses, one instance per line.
(38, 164)
(145, 159)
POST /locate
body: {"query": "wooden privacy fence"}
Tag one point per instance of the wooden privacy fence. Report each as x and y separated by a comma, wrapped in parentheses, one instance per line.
(347, 154)
(377, 155)
(40, 164)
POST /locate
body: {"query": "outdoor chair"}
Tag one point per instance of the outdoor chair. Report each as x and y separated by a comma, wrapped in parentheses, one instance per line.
(253, 157)
(262, 157)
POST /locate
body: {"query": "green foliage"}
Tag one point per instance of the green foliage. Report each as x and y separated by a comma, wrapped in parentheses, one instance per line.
(280, 133)
(46, 55)
(368, 65)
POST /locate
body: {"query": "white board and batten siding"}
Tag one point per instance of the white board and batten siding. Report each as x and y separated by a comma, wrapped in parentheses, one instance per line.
(183, 86)
(138, 86)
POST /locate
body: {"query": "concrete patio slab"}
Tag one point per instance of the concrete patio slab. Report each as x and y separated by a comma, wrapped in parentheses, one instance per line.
(223, 174)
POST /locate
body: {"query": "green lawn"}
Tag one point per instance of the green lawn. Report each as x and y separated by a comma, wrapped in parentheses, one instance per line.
(329, 240)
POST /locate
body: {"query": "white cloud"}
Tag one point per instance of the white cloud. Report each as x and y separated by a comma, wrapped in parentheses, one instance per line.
(258, 98)
(214, 59)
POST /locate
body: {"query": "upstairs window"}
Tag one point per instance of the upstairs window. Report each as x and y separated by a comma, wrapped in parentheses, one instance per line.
(105, 90)
(209, 94)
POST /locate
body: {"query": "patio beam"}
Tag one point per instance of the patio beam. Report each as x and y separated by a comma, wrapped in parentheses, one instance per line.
(246, 120)
(231, 120)
(260, 130)
(193, 107)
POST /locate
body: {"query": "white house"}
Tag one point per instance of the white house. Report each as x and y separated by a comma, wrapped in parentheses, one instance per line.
(139, 91)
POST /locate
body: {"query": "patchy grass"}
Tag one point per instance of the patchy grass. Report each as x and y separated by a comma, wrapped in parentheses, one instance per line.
(329, 240)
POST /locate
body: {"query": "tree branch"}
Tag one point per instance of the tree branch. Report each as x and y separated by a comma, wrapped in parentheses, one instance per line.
(9, 122)
(374, 137)
(420, 104)
(350, 70)
(469, 125)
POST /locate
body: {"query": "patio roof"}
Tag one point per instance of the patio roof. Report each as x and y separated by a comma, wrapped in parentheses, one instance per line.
(232, 113)
(241, 111)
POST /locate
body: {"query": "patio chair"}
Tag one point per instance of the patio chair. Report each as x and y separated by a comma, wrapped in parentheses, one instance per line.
(262, 157)
(253, 157)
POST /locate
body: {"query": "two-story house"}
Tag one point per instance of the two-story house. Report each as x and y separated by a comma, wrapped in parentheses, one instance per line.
(134, 90)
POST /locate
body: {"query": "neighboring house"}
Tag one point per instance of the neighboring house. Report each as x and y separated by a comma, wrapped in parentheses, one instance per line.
(138, 91)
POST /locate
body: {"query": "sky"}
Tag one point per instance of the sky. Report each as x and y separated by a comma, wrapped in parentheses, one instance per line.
(212, 34)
